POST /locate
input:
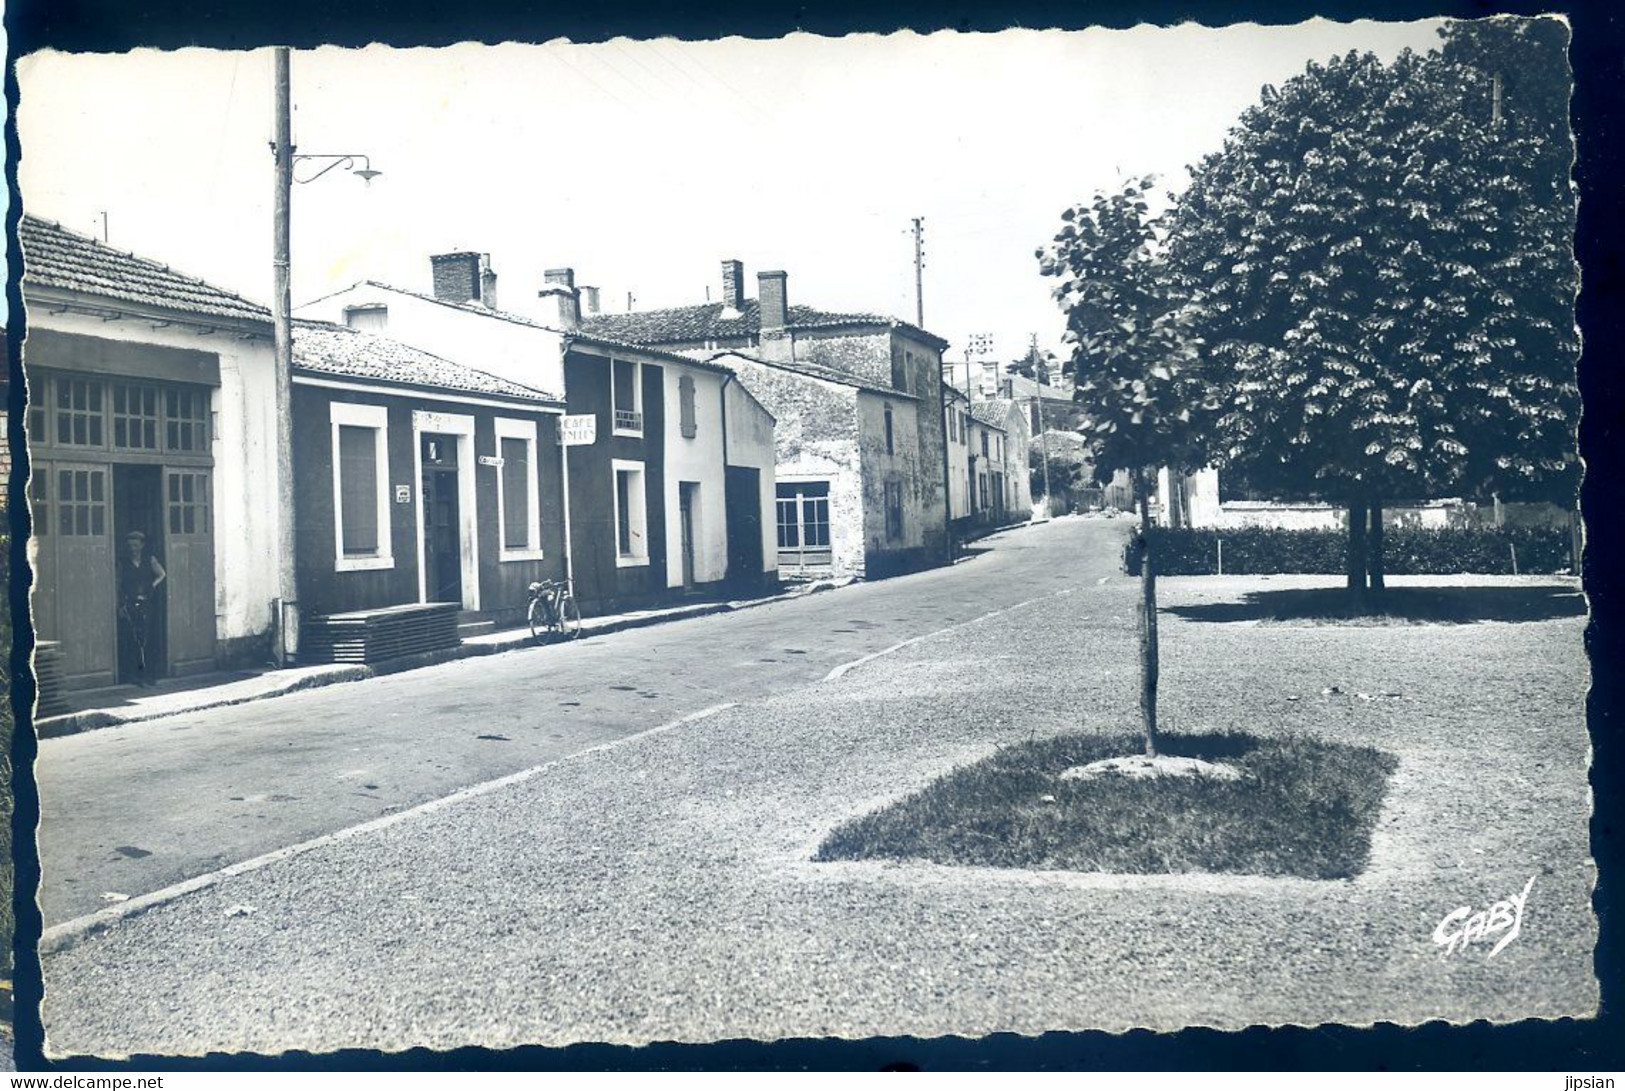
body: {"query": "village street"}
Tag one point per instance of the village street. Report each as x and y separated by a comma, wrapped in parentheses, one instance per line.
(664, 888)
(223, 786)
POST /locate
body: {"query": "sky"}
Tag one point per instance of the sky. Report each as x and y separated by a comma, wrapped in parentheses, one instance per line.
(644, 164)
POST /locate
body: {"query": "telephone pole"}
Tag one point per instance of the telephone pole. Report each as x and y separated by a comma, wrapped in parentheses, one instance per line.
(919, 271)
(286, 622)
(1043, 433)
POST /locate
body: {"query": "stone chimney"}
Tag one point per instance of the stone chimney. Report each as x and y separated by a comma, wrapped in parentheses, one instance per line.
(770, 296)
(560, 301)
(464, 277)
(733, 284)
(589, 299)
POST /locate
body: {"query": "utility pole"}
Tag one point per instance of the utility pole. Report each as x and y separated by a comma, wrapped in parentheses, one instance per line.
(919, 271)
(1043, 433)
(286, 622)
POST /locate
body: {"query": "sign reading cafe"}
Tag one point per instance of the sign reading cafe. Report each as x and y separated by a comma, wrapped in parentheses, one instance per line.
(578, 430)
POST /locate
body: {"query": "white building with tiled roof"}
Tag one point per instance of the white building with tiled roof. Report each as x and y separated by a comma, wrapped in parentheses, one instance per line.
(151, 410)
(899, 521)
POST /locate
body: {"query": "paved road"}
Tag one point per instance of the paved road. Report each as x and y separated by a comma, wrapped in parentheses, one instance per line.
(664, 889)
(132, 809)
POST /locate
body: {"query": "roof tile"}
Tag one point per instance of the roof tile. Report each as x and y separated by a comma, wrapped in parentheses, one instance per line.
(54, 257)
(330, 349)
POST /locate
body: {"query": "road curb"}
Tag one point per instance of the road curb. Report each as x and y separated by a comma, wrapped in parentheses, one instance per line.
(74, 723)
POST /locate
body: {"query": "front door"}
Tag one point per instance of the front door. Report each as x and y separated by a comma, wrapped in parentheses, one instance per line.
(442, 535)
(188, 536)
(803, 518)
(75, 597)
(138, 507)
(685, 505)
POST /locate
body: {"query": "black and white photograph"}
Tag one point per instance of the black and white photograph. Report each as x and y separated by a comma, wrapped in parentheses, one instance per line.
(809, 537)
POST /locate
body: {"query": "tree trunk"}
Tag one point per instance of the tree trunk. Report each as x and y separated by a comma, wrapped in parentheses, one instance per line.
(1373, 561)
(1356, 565)
(1148, 622)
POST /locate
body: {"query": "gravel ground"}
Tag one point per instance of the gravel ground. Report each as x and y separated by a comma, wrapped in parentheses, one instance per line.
(662, 889)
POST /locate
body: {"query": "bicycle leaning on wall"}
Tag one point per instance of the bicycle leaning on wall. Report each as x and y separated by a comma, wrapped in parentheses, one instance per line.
(553, 611)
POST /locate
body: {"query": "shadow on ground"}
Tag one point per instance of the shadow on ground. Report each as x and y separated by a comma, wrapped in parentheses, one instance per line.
(1450, 605)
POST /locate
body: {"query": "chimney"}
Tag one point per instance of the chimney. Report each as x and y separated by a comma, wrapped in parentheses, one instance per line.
(559, 290)
(488, 282)
(770, 295)
(589, 300)
(733, 284)
(457, 276)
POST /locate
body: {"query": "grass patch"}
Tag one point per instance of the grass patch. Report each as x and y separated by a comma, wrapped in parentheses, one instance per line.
(1306, 810)
(1396, 605)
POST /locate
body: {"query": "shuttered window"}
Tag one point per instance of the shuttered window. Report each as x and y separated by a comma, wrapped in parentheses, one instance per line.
(516, 514)
(358, 489)
(685, 407)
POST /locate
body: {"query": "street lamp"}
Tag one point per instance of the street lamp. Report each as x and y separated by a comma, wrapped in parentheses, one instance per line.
(286, 619)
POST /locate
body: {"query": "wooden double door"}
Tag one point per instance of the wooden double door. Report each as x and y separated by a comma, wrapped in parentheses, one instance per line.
(83, 511)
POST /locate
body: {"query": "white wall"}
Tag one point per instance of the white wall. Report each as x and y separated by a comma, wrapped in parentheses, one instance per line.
(698, 459)
(958, 462)
(524, 354)
(244, 431)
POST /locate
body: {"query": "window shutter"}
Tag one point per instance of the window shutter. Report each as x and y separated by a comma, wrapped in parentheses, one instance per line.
(685, 403)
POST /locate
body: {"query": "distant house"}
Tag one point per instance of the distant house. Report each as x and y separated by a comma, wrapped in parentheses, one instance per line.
(649, 509)
(835, 383)
(151, 407)
(1011, 418)
(956, 425)
(847, 463)
(986, 458)
(419, 479)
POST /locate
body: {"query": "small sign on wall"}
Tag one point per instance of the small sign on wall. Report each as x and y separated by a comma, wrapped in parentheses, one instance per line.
(578, 430)
(491, 460)
(403, 494)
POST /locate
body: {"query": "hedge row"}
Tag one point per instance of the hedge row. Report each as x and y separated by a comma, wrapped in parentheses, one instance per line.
(1265, 551)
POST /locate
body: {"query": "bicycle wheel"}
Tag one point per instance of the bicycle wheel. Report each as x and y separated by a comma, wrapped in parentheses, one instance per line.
(539, 623)
(569, 617)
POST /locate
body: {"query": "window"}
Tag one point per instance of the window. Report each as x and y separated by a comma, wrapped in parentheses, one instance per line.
(123, 415)
(518, 498)
(803, 522)
(135, 416)
(894, 510)
(186, 419)
(187, 503)
(626, 397)
(78, 412)
(367, 316)
(81, 503)
(889, 449)
(360, 487)
(685, 407)
(984, 444)
(631, 537)
(39, 502)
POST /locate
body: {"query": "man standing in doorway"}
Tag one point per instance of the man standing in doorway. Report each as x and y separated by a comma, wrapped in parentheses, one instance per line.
(139, 577)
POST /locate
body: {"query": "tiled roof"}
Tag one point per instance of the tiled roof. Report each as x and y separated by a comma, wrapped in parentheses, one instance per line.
(708, 322)
(329, 349)
(1023, 387)
(992, 413)
(522, 320)
(54, 257)
(818, 371)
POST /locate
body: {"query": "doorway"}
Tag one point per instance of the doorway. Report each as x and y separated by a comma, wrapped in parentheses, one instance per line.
(686, 507)
(138, 507)
(442, 522)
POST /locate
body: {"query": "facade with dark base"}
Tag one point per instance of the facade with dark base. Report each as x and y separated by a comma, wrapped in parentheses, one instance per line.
(150, 410)
(418, 480)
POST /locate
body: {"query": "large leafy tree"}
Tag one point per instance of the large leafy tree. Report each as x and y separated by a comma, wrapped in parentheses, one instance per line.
(1143, 399)
(1381, 253)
